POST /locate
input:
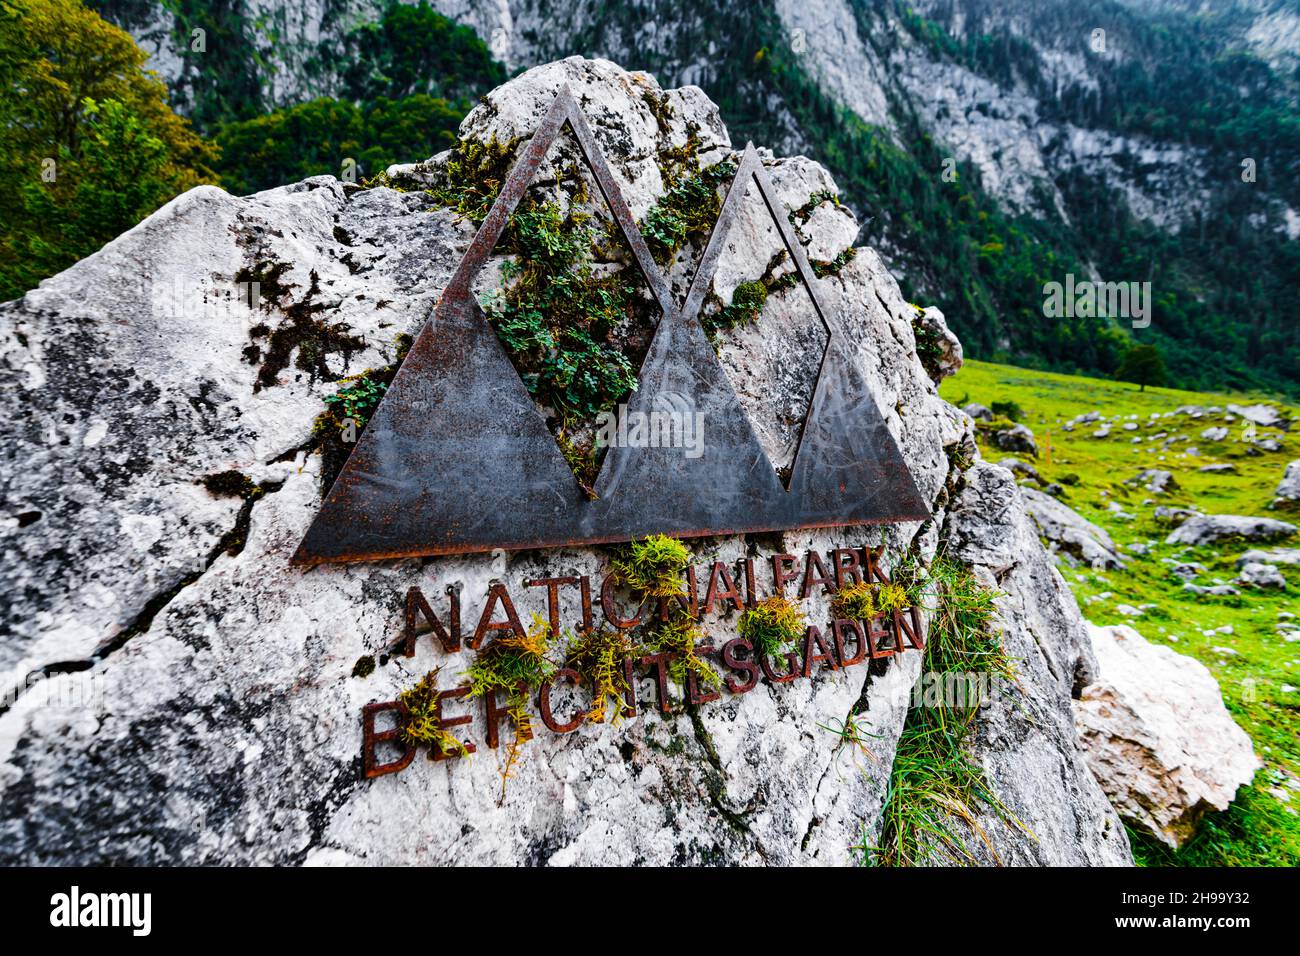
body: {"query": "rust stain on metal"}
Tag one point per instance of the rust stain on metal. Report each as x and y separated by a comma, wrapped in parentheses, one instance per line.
(458, 458)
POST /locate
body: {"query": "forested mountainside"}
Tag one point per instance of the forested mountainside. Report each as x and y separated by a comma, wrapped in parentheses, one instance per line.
(987, 147)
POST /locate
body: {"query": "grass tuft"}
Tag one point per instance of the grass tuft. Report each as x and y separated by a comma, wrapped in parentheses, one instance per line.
(936, 790)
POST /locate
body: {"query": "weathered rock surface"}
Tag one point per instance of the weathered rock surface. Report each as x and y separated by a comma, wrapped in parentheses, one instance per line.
(1288, 489)
(1016, 438)
(1155, 480)
(1257, 575)
(1027, 742)
(1207, 529)
(1271, 556)
(219, 716)
(1158, 736)
(945, 348)
(1164, 514)
(1069, 534)
(1264, 415)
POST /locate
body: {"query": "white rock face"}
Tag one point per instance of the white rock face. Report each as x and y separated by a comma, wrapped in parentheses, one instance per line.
(1041, 772)
(215, 714)
(1158, 736)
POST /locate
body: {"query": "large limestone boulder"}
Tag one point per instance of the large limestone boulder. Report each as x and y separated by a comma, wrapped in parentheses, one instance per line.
(1210, 529)
(162, 469)
(1158, 736)
(1287, 494)
(1069, 535)
(1266, 415)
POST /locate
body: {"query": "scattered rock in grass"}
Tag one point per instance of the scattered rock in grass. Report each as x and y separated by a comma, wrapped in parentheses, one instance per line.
(1157, 735)
(1218, 433)
(1215, 590)
(1118, 511)
(1016, 438)
(1221, 468)
(1207, 529)
(1137, 547)
(1271, 556)
(1261, 576)
(981, 413)
(1069, 534)
(1102, 432)
(1154, 480)
(1288, 490)
(1173, 516)
(1128, 610)
(1188, 570)
(1265, 416)
(1021, 469)
(1268, 444)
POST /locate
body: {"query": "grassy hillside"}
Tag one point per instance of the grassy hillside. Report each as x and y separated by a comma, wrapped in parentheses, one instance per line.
(1237, 638)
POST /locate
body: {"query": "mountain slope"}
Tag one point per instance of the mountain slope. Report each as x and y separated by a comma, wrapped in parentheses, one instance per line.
(1112, 156)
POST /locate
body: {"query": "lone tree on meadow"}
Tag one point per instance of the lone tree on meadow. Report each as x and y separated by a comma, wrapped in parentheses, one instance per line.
(1142, 365)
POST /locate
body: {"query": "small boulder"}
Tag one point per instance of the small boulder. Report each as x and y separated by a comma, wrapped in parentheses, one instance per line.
(981, 413)
(1021, 469)
(1187, 570)
(1222, 468)
(1208, 529)
(1173, 516)
(1261, 576)
(1266, 416)
(1154, 480)
(1215, 434)
(1288, 490)
(1289, 556)
(1216, 590)
(1157, 735)
(1016, 438)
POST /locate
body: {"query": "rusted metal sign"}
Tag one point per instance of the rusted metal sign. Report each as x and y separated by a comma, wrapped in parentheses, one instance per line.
(459, 459)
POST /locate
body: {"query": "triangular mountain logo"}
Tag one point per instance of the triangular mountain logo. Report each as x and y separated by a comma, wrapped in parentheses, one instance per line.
(459, 459)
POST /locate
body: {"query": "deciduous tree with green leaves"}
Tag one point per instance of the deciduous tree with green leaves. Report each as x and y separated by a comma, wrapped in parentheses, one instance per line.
(1143, 366)
(90, 143)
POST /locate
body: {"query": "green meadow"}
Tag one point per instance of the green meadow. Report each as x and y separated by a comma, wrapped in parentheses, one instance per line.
(1246, 641)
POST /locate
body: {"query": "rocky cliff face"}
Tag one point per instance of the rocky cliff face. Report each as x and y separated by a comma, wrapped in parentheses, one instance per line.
(180, 694)
(1150, 127)
(1005, 124)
